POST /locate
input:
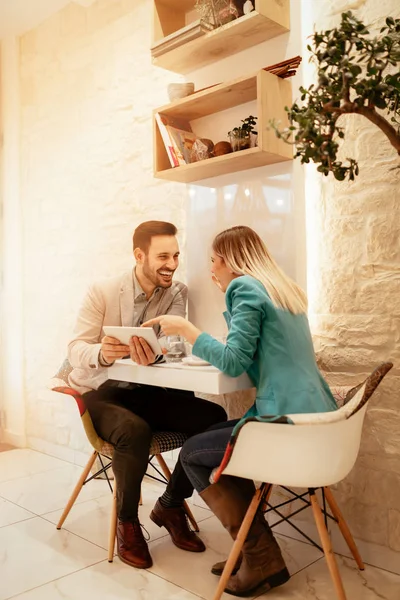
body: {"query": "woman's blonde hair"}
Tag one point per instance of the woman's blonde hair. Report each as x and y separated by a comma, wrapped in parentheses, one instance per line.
(245, 253)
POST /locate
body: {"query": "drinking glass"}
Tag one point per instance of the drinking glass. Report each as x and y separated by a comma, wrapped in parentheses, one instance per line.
(176, 349)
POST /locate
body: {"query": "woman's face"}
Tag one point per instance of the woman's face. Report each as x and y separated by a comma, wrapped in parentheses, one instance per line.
(220, 272)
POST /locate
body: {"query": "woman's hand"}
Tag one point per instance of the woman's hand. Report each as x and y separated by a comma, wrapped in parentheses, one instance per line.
(170, 324)
(215, 280)
(174, 325)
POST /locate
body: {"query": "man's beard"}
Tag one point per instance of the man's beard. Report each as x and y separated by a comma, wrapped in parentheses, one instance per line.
(156, 279)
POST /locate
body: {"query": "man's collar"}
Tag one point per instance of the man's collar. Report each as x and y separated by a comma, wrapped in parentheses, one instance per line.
(138, 290)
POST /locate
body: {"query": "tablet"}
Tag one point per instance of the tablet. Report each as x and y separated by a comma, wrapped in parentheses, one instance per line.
(124, 334)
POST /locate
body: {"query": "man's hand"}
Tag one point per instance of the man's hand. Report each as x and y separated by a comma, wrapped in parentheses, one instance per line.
(111, 349)
(140, 351)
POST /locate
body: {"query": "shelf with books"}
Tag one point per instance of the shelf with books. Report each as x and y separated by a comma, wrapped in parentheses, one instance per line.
(267, 93)
(171, 17)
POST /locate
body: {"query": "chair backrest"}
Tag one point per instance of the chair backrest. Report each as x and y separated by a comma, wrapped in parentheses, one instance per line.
(59, 383)
(318, 450)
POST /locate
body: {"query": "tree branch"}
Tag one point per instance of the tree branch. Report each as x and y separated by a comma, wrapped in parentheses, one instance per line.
(382, 123)
(371, 115)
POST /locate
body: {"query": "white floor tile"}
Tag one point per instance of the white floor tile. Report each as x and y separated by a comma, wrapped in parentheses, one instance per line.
(37, 562)
(192, 571)
(106, 581)
(91, 519)
(44, 492)
(11, 513)
(33, 552)
(314, 583)
(373, 554)
(24, 462)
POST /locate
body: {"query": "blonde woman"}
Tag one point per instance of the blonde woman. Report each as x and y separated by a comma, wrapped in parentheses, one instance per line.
(269, 338)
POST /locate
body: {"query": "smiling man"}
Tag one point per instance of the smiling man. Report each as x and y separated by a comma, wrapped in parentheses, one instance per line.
(126, 415)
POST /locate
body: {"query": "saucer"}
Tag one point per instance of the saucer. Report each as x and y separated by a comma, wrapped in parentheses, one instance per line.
(195, 362)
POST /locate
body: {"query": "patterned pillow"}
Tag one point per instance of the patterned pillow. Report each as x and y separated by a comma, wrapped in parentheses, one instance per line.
(340, 392)
(60, 379)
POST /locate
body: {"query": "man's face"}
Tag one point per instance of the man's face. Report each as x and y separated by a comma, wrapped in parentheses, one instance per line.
(161, 260)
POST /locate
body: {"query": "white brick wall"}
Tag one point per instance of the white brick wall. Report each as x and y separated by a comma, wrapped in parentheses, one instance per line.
(356, 309)
(87, 90)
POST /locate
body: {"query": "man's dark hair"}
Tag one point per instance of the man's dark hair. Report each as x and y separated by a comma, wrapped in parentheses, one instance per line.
(145, 231)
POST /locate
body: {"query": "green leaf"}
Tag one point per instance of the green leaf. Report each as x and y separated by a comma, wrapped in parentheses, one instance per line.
(347, 58)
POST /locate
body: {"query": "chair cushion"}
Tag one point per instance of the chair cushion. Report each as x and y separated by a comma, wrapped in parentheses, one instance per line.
(354, 400)
(163, 441)
(340, 392)
(60, 379)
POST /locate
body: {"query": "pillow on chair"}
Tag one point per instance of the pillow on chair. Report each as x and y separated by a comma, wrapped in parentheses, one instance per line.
(59, 383)
(60, 379)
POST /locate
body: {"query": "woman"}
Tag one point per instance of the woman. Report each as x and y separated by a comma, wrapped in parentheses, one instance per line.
(269, 338)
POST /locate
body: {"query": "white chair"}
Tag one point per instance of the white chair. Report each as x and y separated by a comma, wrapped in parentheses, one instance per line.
(317, 451)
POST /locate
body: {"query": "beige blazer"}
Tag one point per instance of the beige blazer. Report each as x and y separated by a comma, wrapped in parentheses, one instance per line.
(111, 302)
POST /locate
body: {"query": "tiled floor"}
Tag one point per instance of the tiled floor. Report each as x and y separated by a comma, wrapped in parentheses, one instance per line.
(37, 562)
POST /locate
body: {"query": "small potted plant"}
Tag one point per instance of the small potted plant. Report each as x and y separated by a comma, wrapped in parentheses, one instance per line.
(244, 136)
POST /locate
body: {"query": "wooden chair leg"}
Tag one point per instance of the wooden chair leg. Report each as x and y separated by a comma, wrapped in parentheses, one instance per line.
(264, 504)
(344, 528)
(77, 489)
(113, 524)
(327, 547)
(240, 539)
(167, 473)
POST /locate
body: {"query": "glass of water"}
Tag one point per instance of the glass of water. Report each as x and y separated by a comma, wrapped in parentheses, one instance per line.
(176, 349)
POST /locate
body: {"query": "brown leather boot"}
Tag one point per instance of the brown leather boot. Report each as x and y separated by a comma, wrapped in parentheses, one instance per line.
(262, 566)
(175, 522)
(131, 546)
(240, 485)
(217, 568)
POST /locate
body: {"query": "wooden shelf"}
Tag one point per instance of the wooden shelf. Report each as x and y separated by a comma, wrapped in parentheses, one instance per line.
(271, 94)
(268, 20)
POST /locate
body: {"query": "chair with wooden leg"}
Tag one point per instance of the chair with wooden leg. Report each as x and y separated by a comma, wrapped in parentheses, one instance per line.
(306, 454)
(163, 441)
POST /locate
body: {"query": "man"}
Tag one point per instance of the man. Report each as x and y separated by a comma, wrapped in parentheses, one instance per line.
(126, 415)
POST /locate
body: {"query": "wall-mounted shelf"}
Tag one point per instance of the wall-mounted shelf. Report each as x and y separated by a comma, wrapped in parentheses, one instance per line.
(271, 95)
(269, 19)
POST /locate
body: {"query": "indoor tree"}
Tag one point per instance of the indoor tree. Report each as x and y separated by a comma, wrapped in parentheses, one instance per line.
(357, 74)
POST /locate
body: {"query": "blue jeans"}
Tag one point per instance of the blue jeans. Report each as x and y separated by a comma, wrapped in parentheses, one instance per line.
(203, 452)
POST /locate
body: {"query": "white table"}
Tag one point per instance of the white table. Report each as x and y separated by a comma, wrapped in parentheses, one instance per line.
(207, 380)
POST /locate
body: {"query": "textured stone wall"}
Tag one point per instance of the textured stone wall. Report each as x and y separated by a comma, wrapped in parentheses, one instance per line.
(87, 93)
(356, 306)
(87, 90)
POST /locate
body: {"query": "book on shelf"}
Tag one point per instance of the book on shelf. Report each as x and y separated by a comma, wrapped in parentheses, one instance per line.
(183, 141)
(181, 36)
(178, 138)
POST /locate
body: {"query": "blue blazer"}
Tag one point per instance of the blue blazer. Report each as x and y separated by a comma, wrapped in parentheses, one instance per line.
(274, 347)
